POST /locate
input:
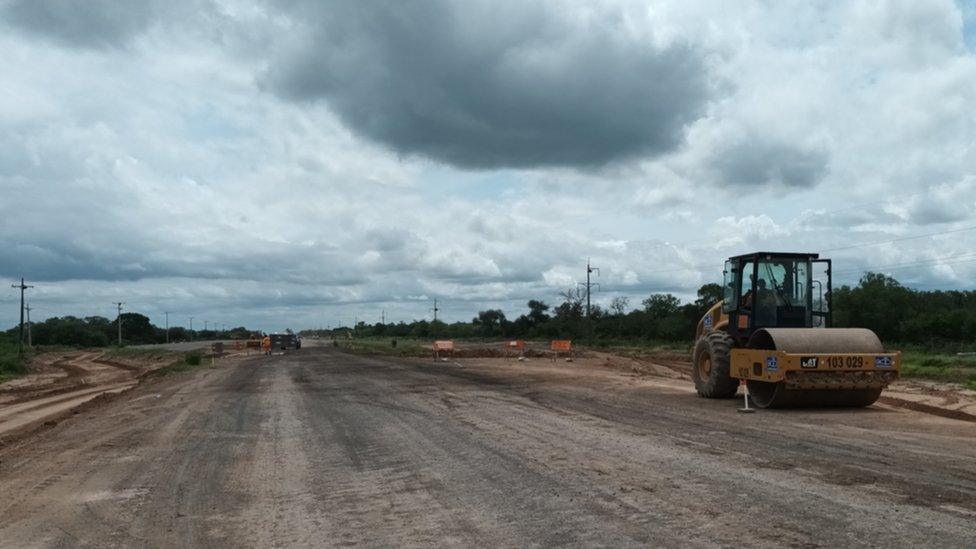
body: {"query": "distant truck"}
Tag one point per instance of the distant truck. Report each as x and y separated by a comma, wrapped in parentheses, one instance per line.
(285, 341)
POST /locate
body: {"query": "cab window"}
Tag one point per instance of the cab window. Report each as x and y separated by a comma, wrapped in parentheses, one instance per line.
(728, 286)
(746, 294)
(782, 296)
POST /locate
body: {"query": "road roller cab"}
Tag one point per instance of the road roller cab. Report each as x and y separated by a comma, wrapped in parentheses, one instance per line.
(773, 329)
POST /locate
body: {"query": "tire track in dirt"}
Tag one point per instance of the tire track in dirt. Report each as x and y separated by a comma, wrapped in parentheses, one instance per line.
(38, 398)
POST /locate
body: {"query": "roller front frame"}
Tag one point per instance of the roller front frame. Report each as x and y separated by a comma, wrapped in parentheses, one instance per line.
(815, 370)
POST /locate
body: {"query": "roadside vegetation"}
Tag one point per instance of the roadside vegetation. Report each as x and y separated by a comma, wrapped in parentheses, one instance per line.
(11, 364)
(97, 331)
(927, 364)
(184, 363)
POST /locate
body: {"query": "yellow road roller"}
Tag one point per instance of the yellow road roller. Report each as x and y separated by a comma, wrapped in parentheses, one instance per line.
(773, 329)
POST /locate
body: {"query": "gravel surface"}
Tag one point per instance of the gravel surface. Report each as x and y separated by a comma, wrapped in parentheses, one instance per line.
(322, 448)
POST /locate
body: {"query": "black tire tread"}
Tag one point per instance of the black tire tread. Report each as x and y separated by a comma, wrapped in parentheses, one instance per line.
(720, 383)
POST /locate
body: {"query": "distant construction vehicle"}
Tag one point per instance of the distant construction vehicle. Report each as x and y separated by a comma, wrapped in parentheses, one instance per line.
(773, 330)
(285, 341)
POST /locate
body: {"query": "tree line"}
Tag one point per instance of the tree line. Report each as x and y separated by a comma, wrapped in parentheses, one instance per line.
(97, 331)
(904, 315)
(899, 315)
(896, 313)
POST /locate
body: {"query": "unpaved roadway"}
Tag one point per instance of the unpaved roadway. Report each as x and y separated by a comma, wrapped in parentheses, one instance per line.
(62, 381)
(323, 448)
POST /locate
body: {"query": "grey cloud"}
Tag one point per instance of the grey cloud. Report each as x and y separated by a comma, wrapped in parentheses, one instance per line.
(944, 204)
(757, 160)
(928, 213)
(90, 24)
(267, 262)
(493, 84)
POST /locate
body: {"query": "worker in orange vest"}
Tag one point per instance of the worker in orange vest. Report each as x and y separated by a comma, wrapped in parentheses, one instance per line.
(266, 345)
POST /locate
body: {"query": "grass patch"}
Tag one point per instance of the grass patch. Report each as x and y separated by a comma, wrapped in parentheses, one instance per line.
(937, 366)
(185, 363)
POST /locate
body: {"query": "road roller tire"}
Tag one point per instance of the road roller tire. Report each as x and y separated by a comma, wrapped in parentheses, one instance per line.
(776, 395)
(710, 366)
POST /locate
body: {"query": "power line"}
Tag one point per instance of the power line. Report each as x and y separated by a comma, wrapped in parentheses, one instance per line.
(918, 262)
(902, 239)
(893, 198)
(851, 246)
(963, 258)
(872, 203)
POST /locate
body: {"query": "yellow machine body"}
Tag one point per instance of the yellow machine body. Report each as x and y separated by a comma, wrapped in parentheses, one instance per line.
(816, 370)
(804, 366)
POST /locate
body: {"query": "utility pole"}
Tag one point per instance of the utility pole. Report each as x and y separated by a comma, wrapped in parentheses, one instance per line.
(589, 287)
(383, 317)
(118, 319)
(433, 325)
(205, 323)
(191, 328)
(167, 325)
(23, 287)
(29, 343)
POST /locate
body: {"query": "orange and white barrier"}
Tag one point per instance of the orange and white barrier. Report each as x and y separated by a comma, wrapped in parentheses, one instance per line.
(561, 346)
(443, 346)
(517, 345)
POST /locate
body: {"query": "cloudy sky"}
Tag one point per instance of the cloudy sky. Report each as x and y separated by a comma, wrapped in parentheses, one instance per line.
(296, 163)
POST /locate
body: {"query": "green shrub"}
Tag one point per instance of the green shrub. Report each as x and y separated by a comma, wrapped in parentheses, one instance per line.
(11, 364)
(193, 359)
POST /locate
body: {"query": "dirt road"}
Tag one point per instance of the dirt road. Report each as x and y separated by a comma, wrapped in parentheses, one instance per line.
(319, 447)
(61, 381)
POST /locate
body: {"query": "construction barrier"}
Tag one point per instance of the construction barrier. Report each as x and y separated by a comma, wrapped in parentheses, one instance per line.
(516, 345)
(443, 346)
(561, 346)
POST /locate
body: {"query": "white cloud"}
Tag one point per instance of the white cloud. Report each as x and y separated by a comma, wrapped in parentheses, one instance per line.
(158, 169)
